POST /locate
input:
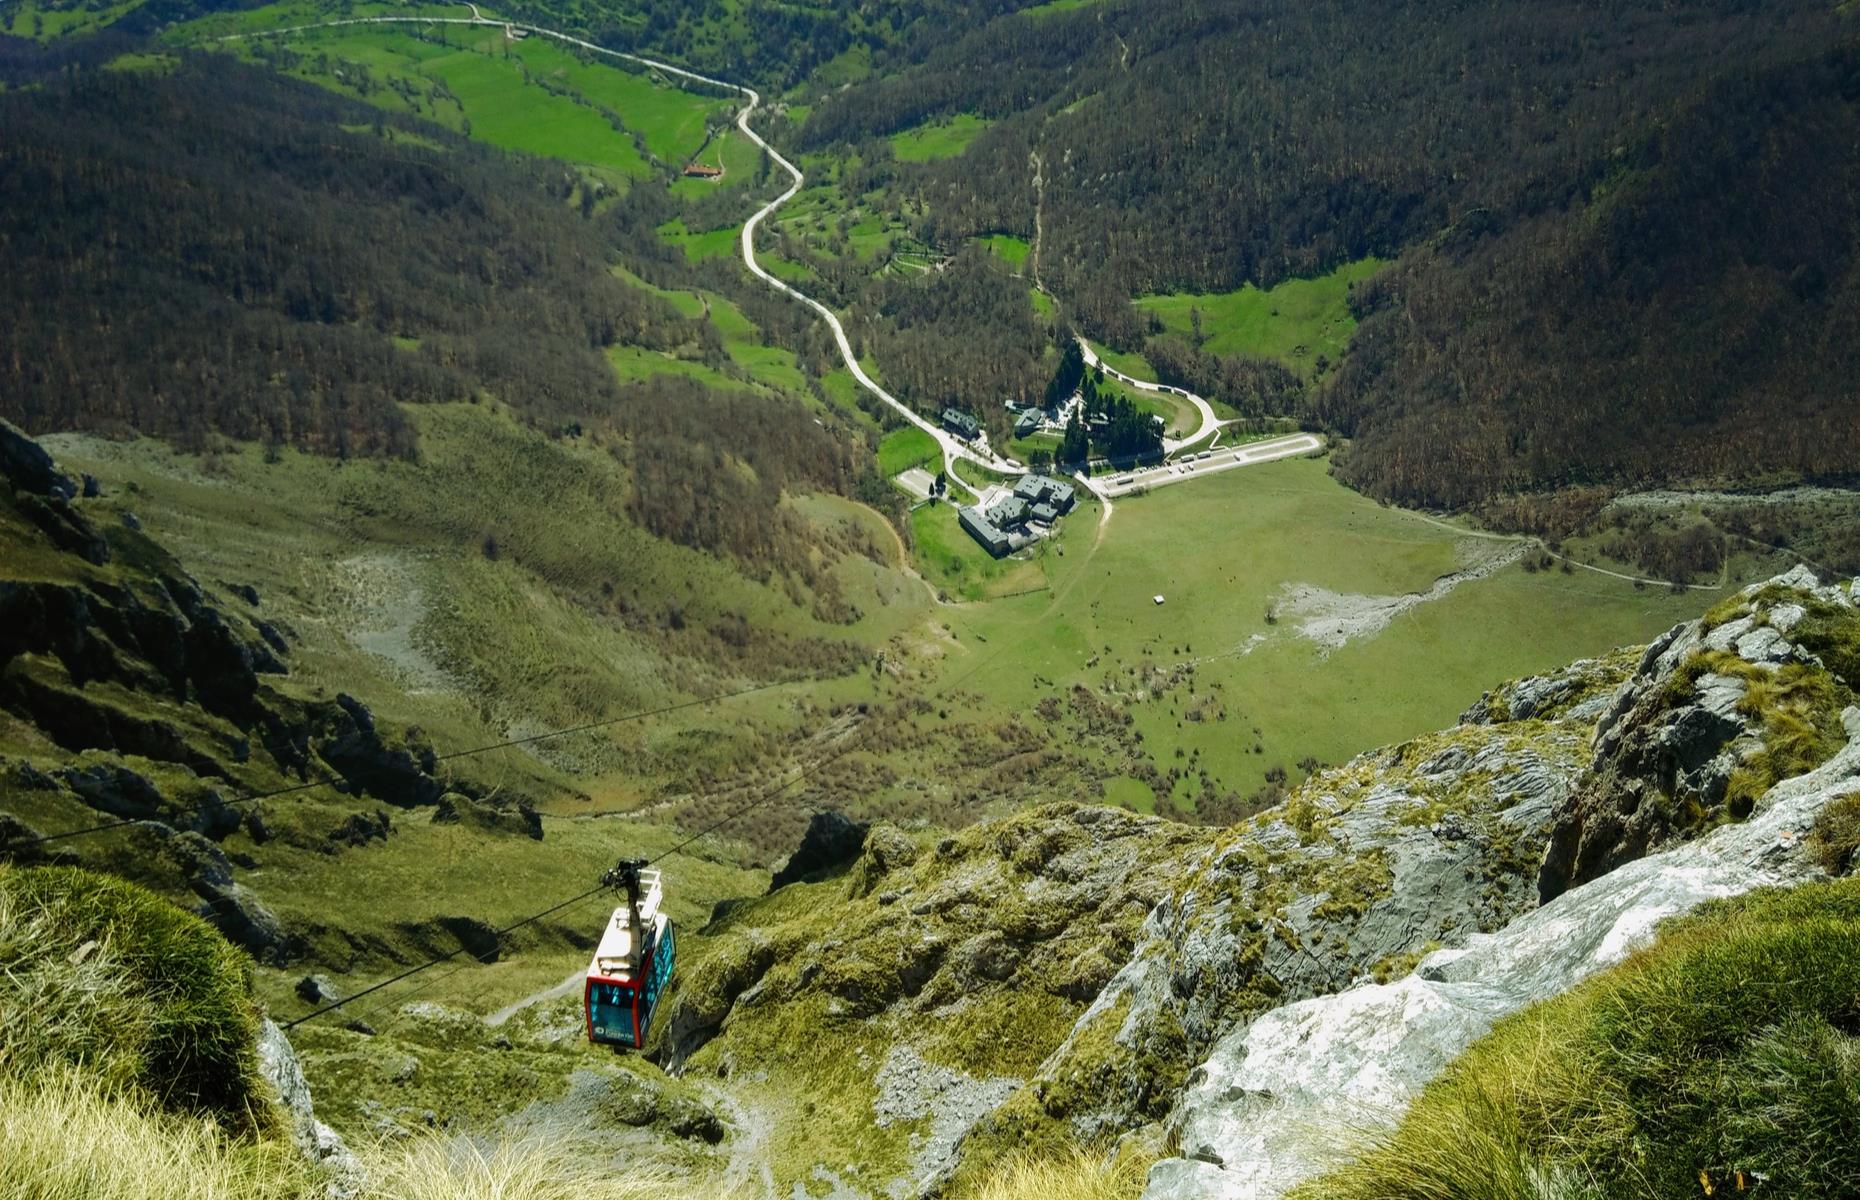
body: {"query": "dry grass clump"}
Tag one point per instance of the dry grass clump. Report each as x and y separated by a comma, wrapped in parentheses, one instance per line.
(65, 1137)
(105, 976)
(1074, 1175)
(436, 1167)
(1836, 838)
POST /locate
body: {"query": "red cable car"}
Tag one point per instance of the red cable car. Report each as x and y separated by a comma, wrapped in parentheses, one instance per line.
(633, 962)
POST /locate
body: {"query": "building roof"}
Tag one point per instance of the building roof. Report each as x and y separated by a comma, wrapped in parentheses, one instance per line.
(1044, 513)
(1009, 512)
(984, 531)
(963, 422)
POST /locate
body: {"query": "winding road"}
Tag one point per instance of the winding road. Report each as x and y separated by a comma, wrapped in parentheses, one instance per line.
(954, 449)
(1209, 422)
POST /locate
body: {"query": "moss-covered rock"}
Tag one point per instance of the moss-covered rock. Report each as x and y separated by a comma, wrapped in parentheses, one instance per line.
(1717, 713)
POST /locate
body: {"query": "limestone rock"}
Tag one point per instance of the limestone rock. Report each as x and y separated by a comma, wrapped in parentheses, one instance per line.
(317, 1142)
(1679, 731)
(1260, 1112)
(317, 989)
(1365, 867)
(887, 849)
(456, 808)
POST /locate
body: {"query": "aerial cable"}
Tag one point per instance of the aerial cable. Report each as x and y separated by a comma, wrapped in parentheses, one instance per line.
(806, 773)
(295, 789)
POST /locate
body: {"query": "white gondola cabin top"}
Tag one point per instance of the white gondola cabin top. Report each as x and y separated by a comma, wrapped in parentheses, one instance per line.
(616, 957)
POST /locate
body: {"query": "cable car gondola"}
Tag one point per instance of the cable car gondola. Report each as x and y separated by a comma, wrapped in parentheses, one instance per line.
(633, 962)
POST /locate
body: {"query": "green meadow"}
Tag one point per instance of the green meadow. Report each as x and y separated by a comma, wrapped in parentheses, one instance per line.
(904, 448)
(1222, 551)
(1296, 322)
(1009, 249)
(534, 95)
(941, 140)
(710, 243)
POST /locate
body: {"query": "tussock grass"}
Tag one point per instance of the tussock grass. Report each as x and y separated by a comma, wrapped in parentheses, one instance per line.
(1074, 1175)
(109, 1146)
(63, 1137)
(103, 976)
(1732, 1044)
(440, 1168)
(1836, 838)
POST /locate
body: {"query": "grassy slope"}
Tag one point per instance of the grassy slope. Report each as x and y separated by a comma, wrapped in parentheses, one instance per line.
(496, 88)
(904, 448)
(945, 140)
(1725, 1047)
(1222, 550)
(1293, 323)
(380, 568)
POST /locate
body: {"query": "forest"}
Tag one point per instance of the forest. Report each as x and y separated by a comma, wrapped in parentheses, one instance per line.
(221, 253)
(1622, 252)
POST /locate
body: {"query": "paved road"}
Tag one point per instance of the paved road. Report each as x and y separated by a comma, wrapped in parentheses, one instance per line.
(954, 450)
(1209, 422)
(1247, 455)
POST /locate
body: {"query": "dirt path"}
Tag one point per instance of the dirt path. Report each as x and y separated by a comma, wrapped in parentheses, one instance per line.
(748, 1160)
(1724, 575)
(553, 992)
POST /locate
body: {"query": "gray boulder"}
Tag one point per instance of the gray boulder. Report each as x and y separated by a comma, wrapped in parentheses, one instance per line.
(1265, 1110)
(317, 1142)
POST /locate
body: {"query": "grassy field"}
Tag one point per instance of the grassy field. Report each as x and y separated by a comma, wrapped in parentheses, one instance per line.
(711, 243)
(1053, 7)
(46, 21)
(944, 140)
(902, 449)
(1009, 249)
(1296, 322)
(1222, 551)
(740, 158)
(535, 96)
(952, 561)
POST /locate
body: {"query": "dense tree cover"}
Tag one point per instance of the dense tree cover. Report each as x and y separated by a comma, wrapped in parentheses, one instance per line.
(212, 253)
(966, 335)
(1070, 375)
(769, 44)
(1257, 387)
(1694, 316)
(1589, 290)
(1119, 431)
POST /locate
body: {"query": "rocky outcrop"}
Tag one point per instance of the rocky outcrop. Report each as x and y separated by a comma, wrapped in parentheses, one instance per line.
(1365, 868)
(832, 840)
(317, 1142)
(26, 467)
(1269, 1107)
(1716, 711)
(1029, 915)
(456, 808)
